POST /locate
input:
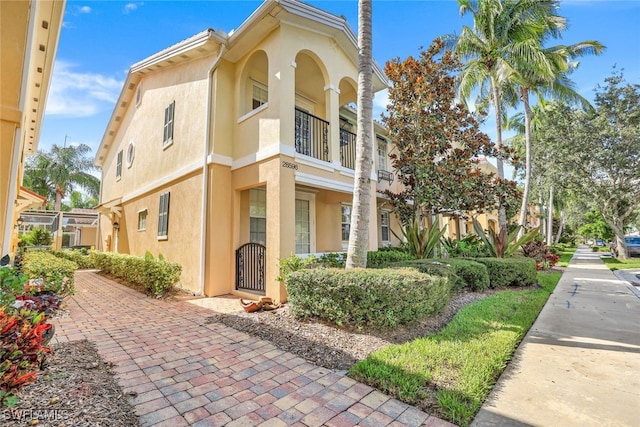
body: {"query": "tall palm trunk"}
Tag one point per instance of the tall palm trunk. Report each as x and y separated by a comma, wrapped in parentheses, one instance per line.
(59, 197)
(502, 212)
(524, 95)
(550, 218)
(359, 235)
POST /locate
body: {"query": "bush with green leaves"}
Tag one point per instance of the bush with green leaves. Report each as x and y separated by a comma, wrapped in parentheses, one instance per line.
(469, 246)
(81, 257)
(462, 273)
(384, 258)
(156, 275)
(37, 236)
(517, 272)
(379, 298)
(57, 274)
(11, 284)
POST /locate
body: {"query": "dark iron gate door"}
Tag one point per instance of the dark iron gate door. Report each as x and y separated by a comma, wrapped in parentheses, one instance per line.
(250, 267)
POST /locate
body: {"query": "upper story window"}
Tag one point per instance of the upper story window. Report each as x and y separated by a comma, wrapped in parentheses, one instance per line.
(119, 165)
(139, 94)
(260, 95)
(131, 152)
(168, 124)
(382, 154)
(163, 216)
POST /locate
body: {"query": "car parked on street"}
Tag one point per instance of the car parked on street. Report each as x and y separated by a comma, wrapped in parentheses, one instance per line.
(633, 245)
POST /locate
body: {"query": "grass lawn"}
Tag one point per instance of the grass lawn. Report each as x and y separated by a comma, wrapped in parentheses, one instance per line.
(450, 374)
(565, 256)
(621, 264)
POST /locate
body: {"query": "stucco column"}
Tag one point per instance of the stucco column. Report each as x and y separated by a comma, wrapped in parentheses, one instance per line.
(332, 98)
(281, 194)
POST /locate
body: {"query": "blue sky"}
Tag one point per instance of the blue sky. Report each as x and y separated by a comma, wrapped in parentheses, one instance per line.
(100, 40)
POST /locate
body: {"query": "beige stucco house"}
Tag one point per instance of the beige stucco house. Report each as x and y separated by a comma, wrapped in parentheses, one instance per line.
(29, 34)
(224, 140)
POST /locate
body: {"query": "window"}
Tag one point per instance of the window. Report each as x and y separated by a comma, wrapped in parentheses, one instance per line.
(382, 154)
(138, 94)
(119, 165)
(131, 152)
(163, 216)
(258, 215)
(303, 227)
(260, 95)
(346, 222)
(142, 220)
(168, 124)
(384, 226)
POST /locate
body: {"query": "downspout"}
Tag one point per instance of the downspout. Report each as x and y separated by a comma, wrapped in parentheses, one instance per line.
(205, 166)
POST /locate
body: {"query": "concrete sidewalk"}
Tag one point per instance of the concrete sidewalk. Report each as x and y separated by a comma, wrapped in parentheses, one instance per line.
(579, 365)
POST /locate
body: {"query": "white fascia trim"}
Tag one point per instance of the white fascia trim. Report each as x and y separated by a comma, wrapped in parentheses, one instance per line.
(164, 181)
(313, 162)
(317, 181)
(191, 43)
(263, 154)
(219, 159)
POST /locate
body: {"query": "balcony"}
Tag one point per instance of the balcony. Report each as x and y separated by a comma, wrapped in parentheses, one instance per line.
(311, 135)
(347, 149)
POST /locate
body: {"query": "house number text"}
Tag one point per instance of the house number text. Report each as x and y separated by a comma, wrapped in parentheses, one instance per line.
(289, 165)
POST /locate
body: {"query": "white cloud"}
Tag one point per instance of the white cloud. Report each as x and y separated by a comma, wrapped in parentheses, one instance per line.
(380, 102)
(76, 94)
(83, 9)
(130, 7)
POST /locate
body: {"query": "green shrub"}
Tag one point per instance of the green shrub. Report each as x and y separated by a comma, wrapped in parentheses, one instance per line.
(38, 236)
(510, 271)
(56, 273)
(156, 276)
(80, 256)
(384, 258)
(462, 273)
(362, 297)
(11, 284)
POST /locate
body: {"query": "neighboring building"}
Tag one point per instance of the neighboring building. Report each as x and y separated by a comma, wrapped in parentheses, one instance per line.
(29, 33)
(224, 140)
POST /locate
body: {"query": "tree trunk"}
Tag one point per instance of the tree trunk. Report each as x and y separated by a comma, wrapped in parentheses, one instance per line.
(560, 228)
(524, 94)
(59, 197)
(502, 212)
(550, 217)
(359, 235)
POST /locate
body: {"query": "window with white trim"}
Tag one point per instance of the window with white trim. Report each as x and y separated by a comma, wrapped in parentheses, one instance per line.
(139, 94)
(163, 216)
(384, 227)
(142, 220)
(119, 165)
(131, 152)
(382, 154)
(258, 215)
(168, 124)
(346, 222)
(260, 95)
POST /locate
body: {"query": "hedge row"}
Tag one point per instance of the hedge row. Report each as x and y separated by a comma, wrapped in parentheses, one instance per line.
(81, 257)
(462, 273)
(55, 273)
(155, 275)
(361, 297)
(518, 272)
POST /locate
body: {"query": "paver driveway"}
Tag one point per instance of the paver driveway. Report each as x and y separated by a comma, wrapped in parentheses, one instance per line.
(187, 372)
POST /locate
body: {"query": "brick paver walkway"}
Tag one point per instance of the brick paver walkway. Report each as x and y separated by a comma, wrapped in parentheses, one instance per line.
(186, 372)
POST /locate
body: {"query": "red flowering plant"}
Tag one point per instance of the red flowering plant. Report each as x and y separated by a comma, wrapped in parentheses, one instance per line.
(21, 351)
(540, 253)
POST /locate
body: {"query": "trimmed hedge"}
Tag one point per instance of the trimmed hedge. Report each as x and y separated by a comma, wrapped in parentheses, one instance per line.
(56, 273)
(518, 272)
(384, 258)
(360, 297)
(463, 273)
(157, 276)
(81, 257)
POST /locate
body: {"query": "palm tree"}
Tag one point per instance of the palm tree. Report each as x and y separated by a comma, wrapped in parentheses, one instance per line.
(62, 169)
(359, 235)
(544, 71)
(487, 50)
